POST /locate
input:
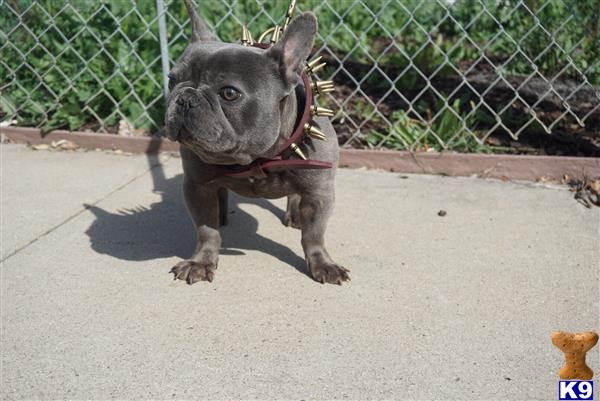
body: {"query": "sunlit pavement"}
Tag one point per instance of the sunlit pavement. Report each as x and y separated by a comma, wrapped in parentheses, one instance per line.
(458, 306)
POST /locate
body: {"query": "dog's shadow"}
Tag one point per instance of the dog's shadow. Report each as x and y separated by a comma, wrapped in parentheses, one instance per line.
(164, 229)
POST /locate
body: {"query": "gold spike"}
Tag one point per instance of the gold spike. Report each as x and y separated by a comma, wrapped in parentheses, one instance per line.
(313, 66)
(314, 132)
(314, 61)
(297, 151)
(321, 111)
(317, 68)
(264, 34)
(276, 34)
(289, 14)
(321, 87)
(246, 36)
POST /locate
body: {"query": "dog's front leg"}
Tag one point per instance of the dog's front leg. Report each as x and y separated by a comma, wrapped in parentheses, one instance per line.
(203, 205)
(315, 210)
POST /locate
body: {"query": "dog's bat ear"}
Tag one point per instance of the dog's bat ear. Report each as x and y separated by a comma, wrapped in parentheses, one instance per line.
(200, 31)
(294, 48)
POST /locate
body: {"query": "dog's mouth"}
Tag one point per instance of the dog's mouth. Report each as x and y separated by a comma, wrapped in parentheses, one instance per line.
(177, 136)
(229, 156)
(209, 138)
(213, 147)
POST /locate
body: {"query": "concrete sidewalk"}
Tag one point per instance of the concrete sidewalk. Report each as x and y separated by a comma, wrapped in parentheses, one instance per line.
(454, 307)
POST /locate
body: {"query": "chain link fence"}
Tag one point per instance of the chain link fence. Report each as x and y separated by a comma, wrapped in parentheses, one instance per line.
(467, 75)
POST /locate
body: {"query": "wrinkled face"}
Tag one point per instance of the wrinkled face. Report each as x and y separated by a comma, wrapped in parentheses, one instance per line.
(225, 102)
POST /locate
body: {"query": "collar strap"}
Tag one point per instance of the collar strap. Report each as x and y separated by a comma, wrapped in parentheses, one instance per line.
(262, 166)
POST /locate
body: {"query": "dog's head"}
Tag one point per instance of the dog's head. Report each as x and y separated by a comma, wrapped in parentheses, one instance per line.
(226, 101)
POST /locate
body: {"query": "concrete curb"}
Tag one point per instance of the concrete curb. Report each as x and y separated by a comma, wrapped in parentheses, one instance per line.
(511, 167)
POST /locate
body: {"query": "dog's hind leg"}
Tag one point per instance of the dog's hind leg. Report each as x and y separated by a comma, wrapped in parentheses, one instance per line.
(315, 210)
(292, 213)
(223, 207)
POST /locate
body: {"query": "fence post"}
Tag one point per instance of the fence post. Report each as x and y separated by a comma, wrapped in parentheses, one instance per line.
(164, 49)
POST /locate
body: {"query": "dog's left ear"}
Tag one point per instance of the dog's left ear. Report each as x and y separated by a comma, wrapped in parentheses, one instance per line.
(294, 48)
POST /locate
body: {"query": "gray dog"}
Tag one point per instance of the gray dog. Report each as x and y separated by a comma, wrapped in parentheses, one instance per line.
(233, 105)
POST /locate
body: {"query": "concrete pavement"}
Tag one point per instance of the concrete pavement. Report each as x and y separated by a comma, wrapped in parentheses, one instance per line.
(453, 307)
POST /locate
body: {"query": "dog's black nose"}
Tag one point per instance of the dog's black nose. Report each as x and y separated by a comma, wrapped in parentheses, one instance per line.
(188, 99)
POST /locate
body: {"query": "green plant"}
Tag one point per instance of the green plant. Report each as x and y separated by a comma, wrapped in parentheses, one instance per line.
(443, 131)
(78, 66)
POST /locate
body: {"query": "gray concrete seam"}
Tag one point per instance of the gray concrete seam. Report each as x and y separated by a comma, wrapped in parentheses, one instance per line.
(68, 219)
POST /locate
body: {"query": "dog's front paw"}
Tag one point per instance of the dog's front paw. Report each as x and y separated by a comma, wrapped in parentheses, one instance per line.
(329, 273)
(191, 271)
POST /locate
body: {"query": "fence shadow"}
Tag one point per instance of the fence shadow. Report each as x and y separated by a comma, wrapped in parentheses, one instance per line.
(164, 229)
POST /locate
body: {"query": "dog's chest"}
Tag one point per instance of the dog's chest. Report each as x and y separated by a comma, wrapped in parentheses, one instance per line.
(275, 185)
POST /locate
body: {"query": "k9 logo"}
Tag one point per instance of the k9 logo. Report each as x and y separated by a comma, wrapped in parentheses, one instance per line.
(575, 390)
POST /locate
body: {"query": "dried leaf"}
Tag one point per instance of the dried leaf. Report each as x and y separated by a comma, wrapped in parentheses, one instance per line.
(125, 128)
(594, 186)
(587, 191)
(64, 144)
(8, 123)
(56, 144)
(68, 145)
(141, 132)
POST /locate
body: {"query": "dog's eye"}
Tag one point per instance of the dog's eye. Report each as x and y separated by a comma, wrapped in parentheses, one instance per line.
(230, 94)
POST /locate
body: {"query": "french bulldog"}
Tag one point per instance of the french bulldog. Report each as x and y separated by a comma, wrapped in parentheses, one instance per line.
(230, 105)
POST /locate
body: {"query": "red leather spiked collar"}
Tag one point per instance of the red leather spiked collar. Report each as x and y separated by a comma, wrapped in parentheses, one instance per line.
(262, 166)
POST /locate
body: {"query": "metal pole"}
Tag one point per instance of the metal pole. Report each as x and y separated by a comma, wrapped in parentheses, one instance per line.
(164, 49)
